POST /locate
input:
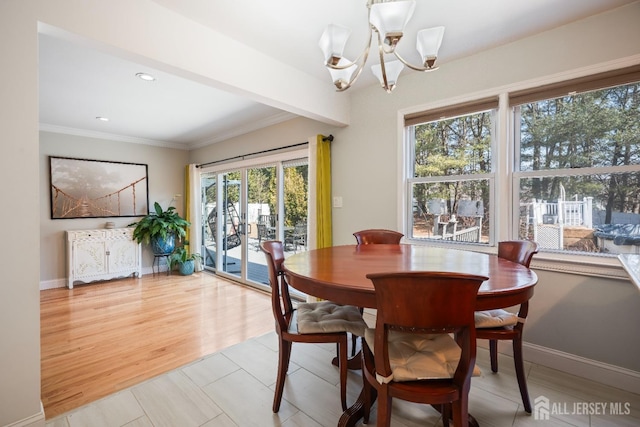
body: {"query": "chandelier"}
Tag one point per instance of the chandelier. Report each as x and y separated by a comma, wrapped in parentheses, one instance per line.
(387, 18)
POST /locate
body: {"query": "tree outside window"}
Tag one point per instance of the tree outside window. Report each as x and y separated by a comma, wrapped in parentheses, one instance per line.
(579, 171)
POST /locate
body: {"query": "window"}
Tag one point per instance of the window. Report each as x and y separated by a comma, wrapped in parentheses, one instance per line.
(578, 168)
(452, 178)
(572, 180)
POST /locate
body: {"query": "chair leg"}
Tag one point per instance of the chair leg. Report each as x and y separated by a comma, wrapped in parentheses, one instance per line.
(384, 408)
(446, 414)
(367, 389)
(342, 350)
(522, 380)
(354, 338)
(493, 353)
(284, 355)
(354, 343)
(460, 413)
(366, 397)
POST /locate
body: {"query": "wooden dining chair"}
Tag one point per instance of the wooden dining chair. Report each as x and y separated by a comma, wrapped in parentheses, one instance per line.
(410, 355)
(496, 325)
(373, 236)
(321, 322)
(377, 235)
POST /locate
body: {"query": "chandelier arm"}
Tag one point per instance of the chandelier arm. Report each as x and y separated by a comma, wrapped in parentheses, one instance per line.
(413, 67)
(358, 71)
(383, 69)
(364, 55)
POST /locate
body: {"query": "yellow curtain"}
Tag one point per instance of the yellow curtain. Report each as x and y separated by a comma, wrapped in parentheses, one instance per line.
(191, 209)
(323, 193)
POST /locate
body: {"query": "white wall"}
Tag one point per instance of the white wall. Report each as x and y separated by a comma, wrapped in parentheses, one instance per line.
(291, 132)
(19, 291)
(166, 178)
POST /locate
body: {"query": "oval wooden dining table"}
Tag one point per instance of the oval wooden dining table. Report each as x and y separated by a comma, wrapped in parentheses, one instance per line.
(338, 274)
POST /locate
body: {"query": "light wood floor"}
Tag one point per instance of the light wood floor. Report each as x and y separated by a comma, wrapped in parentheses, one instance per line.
(101, 338)
(161, 352)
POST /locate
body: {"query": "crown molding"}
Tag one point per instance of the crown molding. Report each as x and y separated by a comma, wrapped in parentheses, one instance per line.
(110, 136)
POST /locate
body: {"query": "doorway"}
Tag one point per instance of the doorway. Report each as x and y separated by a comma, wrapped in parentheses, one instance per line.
(249, 202)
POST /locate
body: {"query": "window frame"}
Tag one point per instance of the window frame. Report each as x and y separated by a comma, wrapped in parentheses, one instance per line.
(506, 171)
(467, 108)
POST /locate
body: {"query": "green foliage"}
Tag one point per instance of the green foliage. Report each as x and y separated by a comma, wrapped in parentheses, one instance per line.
(295, 195)
(160, 224)
(587, 130)
(457, 146)
(260, 180)
(262, 189)
(181, 255)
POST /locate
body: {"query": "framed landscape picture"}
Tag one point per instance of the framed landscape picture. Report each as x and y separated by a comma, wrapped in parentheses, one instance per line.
(82, 188)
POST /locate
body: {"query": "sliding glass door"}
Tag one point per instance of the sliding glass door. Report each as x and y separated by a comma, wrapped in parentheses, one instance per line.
(295, 191)
(247, 204)
(262, 218)
(223, 230)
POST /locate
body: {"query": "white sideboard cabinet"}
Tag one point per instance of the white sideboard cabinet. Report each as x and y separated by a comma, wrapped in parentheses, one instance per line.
(102, 255)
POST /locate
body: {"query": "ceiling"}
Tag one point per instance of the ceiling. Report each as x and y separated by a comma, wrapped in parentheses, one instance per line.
(78, 83)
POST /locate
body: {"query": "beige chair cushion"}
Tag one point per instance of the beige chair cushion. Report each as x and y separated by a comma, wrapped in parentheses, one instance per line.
(495, 319)
(327, 316)
(420, 357)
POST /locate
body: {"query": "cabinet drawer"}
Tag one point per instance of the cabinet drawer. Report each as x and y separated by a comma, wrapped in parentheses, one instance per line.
(86, 235)
(120, 233)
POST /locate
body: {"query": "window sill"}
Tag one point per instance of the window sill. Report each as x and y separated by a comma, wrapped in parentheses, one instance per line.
(607, 266)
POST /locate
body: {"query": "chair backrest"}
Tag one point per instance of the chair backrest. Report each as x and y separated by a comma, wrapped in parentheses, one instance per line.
(377, 236)
(262, 231)
(520, 251)
(280, 298)
(268, 220)
(427, 302)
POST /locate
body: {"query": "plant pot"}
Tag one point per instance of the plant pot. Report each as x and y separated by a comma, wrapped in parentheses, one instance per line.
(186, 268)
(160, 246)
(198, 264)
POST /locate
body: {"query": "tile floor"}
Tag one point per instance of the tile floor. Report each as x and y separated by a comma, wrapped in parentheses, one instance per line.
(234, 387)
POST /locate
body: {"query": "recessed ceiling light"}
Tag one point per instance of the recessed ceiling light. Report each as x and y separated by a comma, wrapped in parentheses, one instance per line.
(102, 119)
(146, 77)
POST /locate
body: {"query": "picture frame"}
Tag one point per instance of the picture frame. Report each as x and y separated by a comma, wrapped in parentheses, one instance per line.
(84, 188)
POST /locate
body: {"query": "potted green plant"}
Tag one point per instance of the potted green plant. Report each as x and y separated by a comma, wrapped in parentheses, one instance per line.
(183, 259)
(160, 229)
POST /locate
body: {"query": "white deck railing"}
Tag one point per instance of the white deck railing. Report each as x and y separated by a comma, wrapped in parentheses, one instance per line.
(550, 218)
(564, 213)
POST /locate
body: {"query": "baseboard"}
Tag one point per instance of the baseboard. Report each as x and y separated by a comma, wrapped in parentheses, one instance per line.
(35, 420)
(52, 284)
(62, 283)
(604, 373)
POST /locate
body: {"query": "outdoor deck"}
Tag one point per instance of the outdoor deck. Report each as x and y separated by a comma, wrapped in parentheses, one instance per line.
(256, 263)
